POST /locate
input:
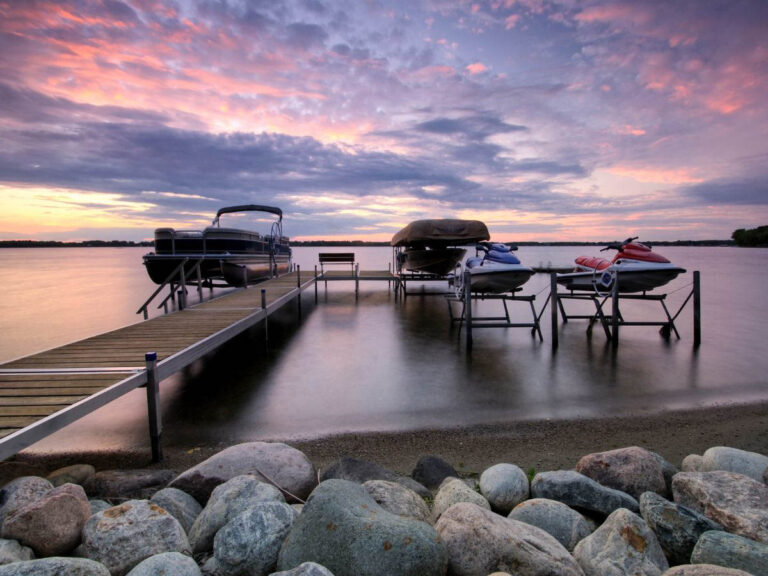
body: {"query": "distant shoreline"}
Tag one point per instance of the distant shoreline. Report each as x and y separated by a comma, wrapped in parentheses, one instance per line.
(326, 243)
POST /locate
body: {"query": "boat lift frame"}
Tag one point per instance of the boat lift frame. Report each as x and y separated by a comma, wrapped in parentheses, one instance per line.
(466, 317)
(612, 321)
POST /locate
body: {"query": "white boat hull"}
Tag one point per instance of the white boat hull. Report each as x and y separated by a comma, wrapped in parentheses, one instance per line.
(634, 276)
(498, 278)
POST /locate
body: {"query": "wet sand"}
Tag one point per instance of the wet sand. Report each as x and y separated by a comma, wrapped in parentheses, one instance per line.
(542, 445)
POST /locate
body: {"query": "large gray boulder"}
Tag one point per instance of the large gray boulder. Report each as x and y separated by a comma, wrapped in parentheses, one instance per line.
(452, 491)
(580, 492)
(480, 542)
(736, 501)
(55, 566)
(504, 486)
(561, 522)
(431, 470)
(249, 543)
(167, 564)
(306, 569)
(20, 492)
(731, 550)
(704, 570)
(51, 525)
(179, 504)
(360, 471)
(398, 499)
(343, 528)
(623, 544)
(271, 462)
(124, 535)
(750, 464)
(227, 501)
(633, 470)
(676, 527)
(139, 484)
(12, 551)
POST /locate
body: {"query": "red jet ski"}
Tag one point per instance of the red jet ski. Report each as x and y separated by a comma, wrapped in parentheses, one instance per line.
(639, 269)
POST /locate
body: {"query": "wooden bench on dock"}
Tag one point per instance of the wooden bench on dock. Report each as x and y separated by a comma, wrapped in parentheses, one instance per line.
(331, 258)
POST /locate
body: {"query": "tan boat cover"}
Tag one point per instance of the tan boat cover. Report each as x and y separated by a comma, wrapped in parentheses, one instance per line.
(449, 232)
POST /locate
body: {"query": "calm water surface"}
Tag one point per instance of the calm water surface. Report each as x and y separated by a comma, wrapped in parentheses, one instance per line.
(382, 364)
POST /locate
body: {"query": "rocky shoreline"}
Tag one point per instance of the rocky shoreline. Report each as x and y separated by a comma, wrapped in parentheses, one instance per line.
(265, 508)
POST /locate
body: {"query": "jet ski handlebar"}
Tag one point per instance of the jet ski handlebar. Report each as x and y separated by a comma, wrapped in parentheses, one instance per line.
(618, 245)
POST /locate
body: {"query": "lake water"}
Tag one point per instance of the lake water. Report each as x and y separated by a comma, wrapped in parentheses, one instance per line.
(377, 363)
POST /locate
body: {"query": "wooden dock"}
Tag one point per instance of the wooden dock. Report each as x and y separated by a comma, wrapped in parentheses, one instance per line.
(42, 393)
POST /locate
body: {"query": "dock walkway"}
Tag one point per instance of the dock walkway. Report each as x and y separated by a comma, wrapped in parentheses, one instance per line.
(42, 393)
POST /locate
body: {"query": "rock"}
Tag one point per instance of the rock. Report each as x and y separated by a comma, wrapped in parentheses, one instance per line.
(12, 551)
(227, 501)
(765, 476)
(306, 569)
(287, 467)
(124, 535)
(167, 564)
(75, 474)
(580, 492)
(55, 567)
(624, 544)
(398, 499)
(344, 529)
(97, 505)
(667, 469)
(179, 504)
(676, 527)
(750, 464)
(480, 542)
(20, 492)
(633, 470)
(504, 486)
(704, 570)
(731, 550)
(250, 542)
(737, 502)
(361, 471)
(12, 470)
(51, 525)
(564, 524)
(452, 491)
(140, 484)
(692, 463)
(430, 471)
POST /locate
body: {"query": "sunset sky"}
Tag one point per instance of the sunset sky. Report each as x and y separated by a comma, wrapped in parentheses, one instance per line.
(547, 119)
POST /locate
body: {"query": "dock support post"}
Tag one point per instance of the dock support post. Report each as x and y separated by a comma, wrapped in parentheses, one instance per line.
(153, 406)
(357, 280)
(298, 286)
(315, 283)
(182, 289)
(696, 308)
(554, 304)
(468, 307)
(615, 310)
(266, 316)
(199, 282)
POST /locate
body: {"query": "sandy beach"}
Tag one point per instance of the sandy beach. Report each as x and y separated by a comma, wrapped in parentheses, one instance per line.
(542, 445)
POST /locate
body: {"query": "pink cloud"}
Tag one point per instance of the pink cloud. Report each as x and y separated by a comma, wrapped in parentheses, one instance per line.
(476, 68)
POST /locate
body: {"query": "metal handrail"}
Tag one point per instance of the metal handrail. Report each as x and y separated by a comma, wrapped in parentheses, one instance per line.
(169, 280)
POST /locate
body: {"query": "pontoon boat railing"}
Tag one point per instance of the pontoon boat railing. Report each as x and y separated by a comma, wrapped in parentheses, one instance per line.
(169, 281)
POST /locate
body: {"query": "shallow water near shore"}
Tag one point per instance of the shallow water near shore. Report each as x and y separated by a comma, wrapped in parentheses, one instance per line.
(377, 363)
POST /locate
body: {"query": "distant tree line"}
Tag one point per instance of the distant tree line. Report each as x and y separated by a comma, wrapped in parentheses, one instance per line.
(84, 244)
(752, 237)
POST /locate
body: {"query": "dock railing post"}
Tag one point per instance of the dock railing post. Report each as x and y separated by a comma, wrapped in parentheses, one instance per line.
(615, 310)
(468, 307)
(696, 308)
(266, 316)
(357, 279)
(153, 406)
(182, 289)
(298, 287)
(315, 283)
(554, 304)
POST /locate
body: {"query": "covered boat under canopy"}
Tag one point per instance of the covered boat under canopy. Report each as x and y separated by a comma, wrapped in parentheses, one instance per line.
(441, 233)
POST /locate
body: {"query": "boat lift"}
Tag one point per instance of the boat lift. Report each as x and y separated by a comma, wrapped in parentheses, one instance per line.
(613, 320)
(468, 319)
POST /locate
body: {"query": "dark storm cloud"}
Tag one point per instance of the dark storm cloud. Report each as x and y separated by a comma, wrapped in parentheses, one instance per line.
(474, 127)
(753, 191)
